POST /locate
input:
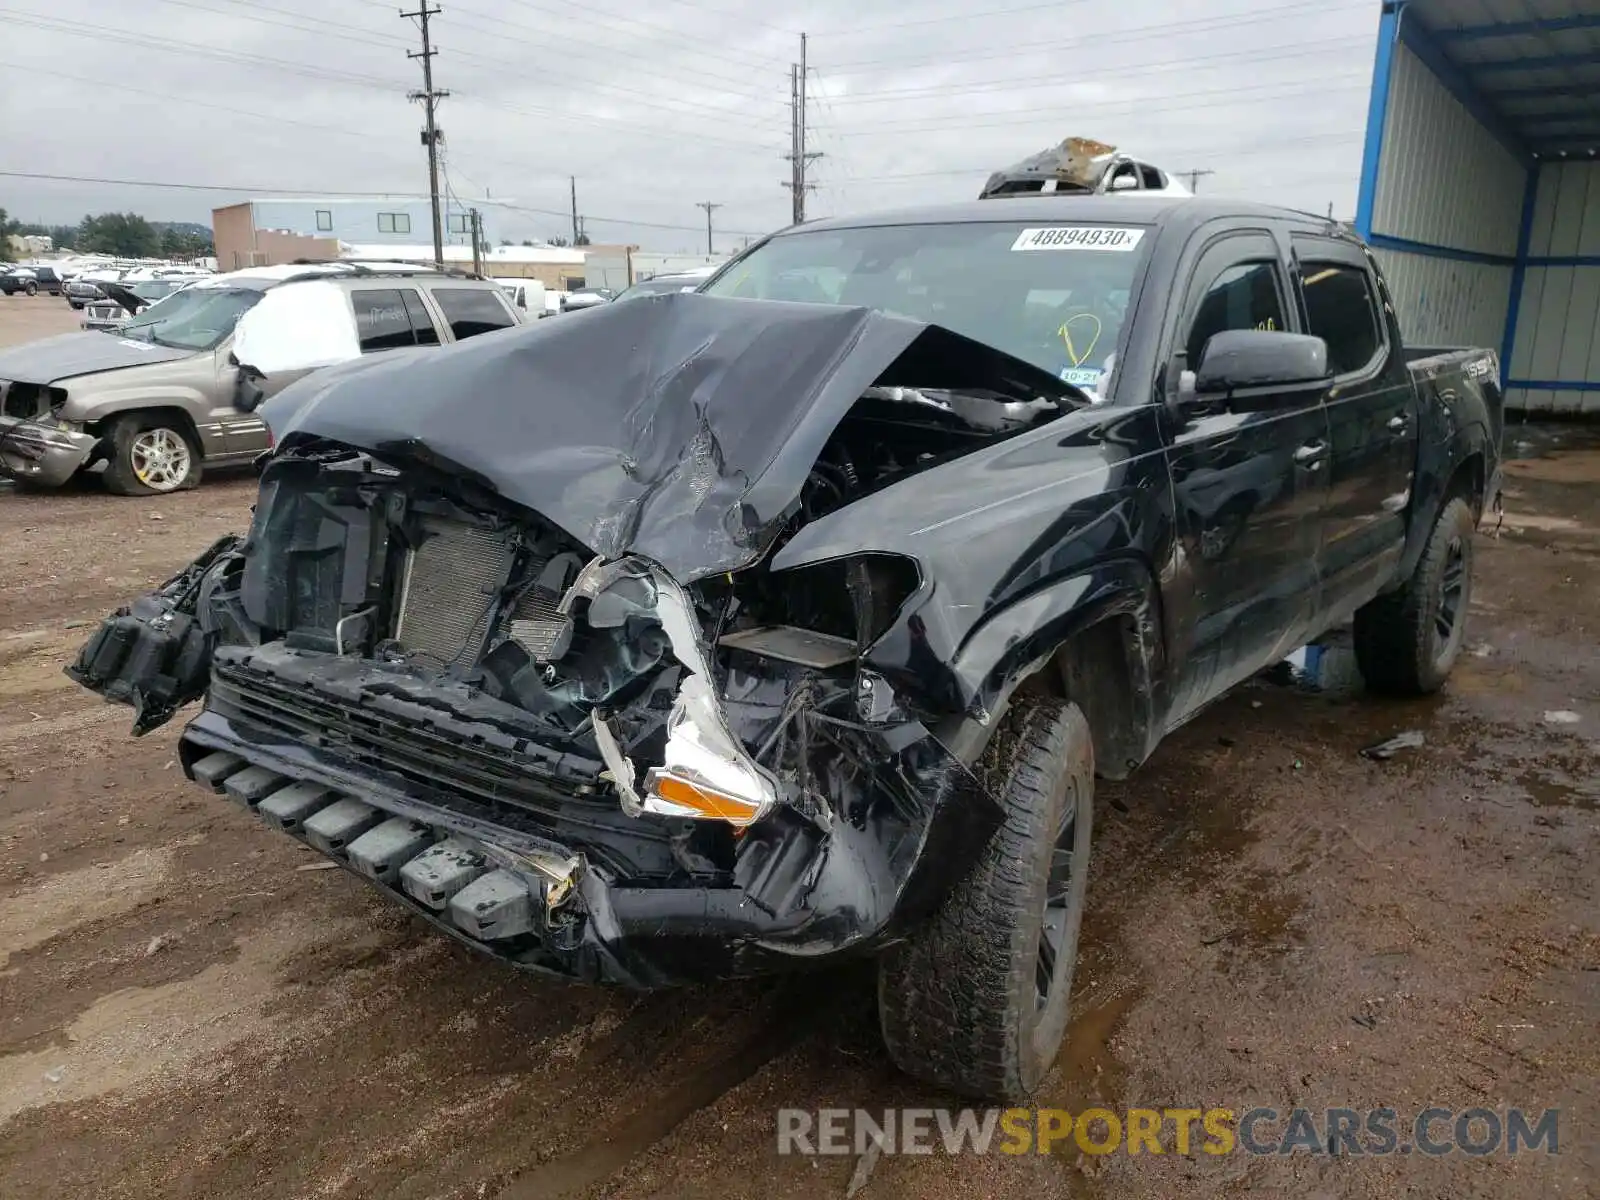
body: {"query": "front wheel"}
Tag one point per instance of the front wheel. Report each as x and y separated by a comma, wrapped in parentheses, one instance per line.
(1407, 641)
(977, 1000)
(150, 455)
(31, 289)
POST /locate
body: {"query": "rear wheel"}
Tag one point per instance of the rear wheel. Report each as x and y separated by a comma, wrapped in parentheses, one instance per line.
(977, 1000)
(1407, 641)
(150, 455)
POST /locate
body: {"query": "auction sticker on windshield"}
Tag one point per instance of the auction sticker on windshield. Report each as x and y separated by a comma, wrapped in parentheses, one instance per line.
(1078, 237)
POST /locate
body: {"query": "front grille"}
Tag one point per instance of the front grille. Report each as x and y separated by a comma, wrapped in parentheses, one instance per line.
(514, 783)
(449, 588)
(531, 780)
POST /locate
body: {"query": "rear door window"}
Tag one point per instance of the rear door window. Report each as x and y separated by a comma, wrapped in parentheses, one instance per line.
(1342, 310)
(471, 311)
(386, 319)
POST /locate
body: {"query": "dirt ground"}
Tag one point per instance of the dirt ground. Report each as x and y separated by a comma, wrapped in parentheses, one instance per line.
(187, 1011)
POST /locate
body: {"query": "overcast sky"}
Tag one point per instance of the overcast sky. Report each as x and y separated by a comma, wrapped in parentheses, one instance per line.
(657, 107)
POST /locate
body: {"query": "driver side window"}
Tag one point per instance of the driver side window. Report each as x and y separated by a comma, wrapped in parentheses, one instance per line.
(1245, 295)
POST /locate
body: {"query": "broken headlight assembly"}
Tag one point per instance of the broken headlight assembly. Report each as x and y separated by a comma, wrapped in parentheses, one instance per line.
(705, 773)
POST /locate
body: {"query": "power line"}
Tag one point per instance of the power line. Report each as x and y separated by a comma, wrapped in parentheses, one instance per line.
(691, 107)
(1024, 85)
(609, 54)
(368, 194)
(186, 100)
(553, 73)
(123, 37)
(174, 46)
(656, 31)
(1231, 151)
(984, 13)
(1023, 117)
(1139, 33)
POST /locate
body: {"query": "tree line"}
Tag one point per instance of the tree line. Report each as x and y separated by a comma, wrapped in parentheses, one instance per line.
(124, 235)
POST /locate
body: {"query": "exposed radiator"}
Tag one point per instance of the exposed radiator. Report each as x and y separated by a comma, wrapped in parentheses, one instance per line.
(448, 590)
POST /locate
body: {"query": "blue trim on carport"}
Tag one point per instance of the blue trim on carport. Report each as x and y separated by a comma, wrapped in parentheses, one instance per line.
(1384, 241)
(1377, 113)
(1555, 385)
(1519, 273)
(1426, 45)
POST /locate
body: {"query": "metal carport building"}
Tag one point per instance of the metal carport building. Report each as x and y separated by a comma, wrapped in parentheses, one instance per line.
(1480, 185)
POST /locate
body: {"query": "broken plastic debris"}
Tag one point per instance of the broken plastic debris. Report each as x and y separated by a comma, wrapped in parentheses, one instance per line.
(55, 1075)
(1411, 739)
(1561, 716)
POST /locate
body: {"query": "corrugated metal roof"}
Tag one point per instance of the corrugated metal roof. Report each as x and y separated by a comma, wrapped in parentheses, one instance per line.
(1534, 63)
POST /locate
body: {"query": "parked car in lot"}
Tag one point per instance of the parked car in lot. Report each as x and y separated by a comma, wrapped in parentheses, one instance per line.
(660, 284)
(18, 281)
(81, 289)
(168, 396)
(31, 281)
(527, 296)
(750, 630)
(122, 303)
(582, 298)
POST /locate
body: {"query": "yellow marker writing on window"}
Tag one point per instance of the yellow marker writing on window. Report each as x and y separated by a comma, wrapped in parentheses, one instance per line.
(1074, 328)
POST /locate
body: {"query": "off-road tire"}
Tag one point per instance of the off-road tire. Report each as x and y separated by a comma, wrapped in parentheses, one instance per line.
(1398, 643)
(958, 1002)
(120, 475)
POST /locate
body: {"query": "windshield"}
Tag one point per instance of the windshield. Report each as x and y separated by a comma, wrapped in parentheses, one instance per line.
(1055, 296)
(193, 319)
(153, 289)
(657, 286)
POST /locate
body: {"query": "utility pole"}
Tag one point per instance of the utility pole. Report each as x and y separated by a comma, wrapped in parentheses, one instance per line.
(798, 156)
(572, 181)
(708, 206)
(1194, 177)
(477, 241)
(430, 98)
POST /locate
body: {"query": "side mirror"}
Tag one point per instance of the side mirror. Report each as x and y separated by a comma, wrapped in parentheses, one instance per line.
(1238, 360)
(247, 391)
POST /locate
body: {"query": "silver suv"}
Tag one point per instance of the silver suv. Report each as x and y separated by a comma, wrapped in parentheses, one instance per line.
(164, 396)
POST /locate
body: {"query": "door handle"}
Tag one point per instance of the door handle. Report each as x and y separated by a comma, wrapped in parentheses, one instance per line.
(1398, 424)
(1310, 455)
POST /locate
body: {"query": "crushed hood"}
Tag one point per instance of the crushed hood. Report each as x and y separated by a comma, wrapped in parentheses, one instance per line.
(74, 354)
(679, 427)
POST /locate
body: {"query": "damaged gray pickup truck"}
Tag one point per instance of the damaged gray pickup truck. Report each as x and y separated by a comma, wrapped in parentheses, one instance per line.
(718, 634)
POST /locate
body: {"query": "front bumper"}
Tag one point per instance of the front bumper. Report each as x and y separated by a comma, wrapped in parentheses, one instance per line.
(41, 454)
(797, 896)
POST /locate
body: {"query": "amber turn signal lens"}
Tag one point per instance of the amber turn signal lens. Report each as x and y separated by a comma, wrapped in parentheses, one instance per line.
(712, 804)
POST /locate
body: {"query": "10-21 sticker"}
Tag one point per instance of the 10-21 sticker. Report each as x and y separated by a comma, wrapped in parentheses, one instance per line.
(1079, 237)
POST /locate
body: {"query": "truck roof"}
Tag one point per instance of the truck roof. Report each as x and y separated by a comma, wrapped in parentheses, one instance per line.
(1123, 208)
